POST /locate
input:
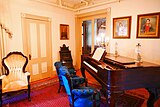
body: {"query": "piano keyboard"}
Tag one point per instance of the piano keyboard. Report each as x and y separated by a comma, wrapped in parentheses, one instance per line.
(94, 69)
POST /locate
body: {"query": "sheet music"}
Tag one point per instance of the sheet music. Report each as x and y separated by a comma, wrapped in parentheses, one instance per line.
(98, 54)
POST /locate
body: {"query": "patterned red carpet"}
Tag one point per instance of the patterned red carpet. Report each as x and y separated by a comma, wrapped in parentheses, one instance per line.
(45, 95)
(40, 97)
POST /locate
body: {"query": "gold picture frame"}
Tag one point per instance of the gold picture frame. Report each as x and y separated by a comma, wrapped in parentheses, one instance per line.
(148, 25)
(121, 27)
(64, 32)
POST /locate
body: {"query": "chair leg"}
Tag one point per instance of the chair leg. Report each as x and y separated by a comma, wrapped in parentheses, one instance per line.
(59, 88)
(29, 88)
(29, 98)
(1, 99)
(1, 102)
(72, 100)
(29, 92)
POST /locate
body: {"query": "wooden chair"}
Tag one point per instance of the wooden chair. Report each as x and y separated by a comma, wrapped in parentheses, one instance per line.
(15, 78)
(66, 57)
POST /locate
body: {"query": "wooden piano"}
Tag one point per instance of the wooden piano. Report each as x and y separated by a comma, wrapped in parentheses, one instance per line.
(116, 74)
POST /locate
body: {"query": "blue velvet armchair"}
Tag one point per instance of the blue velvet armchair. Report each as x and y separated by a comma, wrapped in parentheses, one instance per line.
(57, 66)
(80, 80)
(79, 96)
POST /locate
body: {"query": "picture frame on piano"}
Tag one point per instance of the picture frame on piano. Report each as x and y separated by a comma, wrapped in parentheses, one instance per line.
(121, 27)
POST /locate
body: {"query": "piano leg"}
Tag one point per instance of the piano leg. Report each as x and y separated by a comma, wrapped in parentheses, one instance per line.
(84, 75)
(153, 96)
(114, 98)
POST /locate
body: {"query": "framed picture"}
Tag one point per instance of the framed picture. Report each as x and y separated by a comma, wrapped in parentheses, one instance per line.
(64, 32)
(122, 27)
(148, 25)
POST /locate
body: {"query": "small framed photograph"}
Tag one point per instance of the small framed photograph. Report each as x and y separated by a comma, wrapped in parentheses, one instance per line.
(148, 25)
(64, 32)
(122, 27)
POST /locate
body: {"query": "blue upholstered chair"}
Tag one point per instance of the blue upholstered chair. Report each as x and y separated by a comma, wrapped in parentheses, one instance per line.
(57, 66)
(80, 80)
(79, 96)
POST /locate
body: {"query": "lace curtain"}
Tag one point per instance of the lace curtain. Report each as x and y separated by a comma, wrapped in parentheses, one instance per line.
(5, 29)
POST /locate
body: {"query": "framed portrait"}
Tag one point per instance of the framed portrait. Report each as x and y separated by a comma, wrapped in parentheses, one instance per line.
(64, 32)
(122, 27)
(148, 25)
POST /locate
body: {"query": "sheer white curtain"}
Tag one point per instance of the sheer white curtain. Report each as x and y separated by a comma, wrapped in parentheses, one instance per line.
(5, 28)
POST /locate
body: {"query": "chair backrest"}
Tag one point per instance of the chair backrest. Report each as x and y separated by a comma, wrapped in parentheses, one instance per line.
(63, 70)
(57, 65)
(15, 62)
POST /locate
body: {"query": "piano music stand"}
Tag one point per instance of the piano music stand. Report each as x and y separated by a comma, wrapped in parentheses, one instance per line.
(99, 54)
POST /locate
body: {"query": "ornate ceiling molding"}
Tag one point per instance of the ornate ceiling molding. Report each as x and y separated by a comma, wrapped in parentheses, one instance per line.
(76, 5)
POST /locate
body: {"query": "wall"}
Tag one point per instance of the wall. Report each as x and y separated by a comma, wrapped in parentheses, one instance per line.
(58, 16)
(150, 47)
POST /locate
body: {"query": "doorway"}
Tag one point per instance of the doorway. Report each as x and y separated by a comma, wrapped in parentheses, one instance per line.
(92, 30)
(93, 34)
(37, 45)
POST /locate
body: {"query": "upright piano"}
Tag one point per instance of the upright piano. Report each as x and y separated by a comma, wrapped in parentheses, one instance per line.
(118, 73)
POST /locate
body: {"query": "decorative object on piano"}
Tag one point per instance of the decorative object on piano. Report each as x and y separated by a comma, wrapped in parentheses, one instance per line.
(122, 27)
(138, 52)
(64, 32)
(116, 49)
(107, 40)
(148, 25)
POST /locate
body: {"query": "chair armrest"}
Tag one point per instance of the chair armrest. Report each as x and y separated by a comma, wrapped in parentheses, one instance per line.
(72, 71)
(2, 76)
(28, 77)
(27, 73)
(76, 80)
(3, 81)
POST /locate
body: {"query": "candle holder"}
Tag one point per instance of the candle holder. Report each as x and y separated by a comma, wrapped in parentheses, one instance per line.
(138, 52)
(116, 49)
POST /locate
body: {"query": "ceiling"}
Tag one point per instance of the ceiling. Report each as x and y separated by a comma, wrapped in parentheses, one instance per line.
(76, 5)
